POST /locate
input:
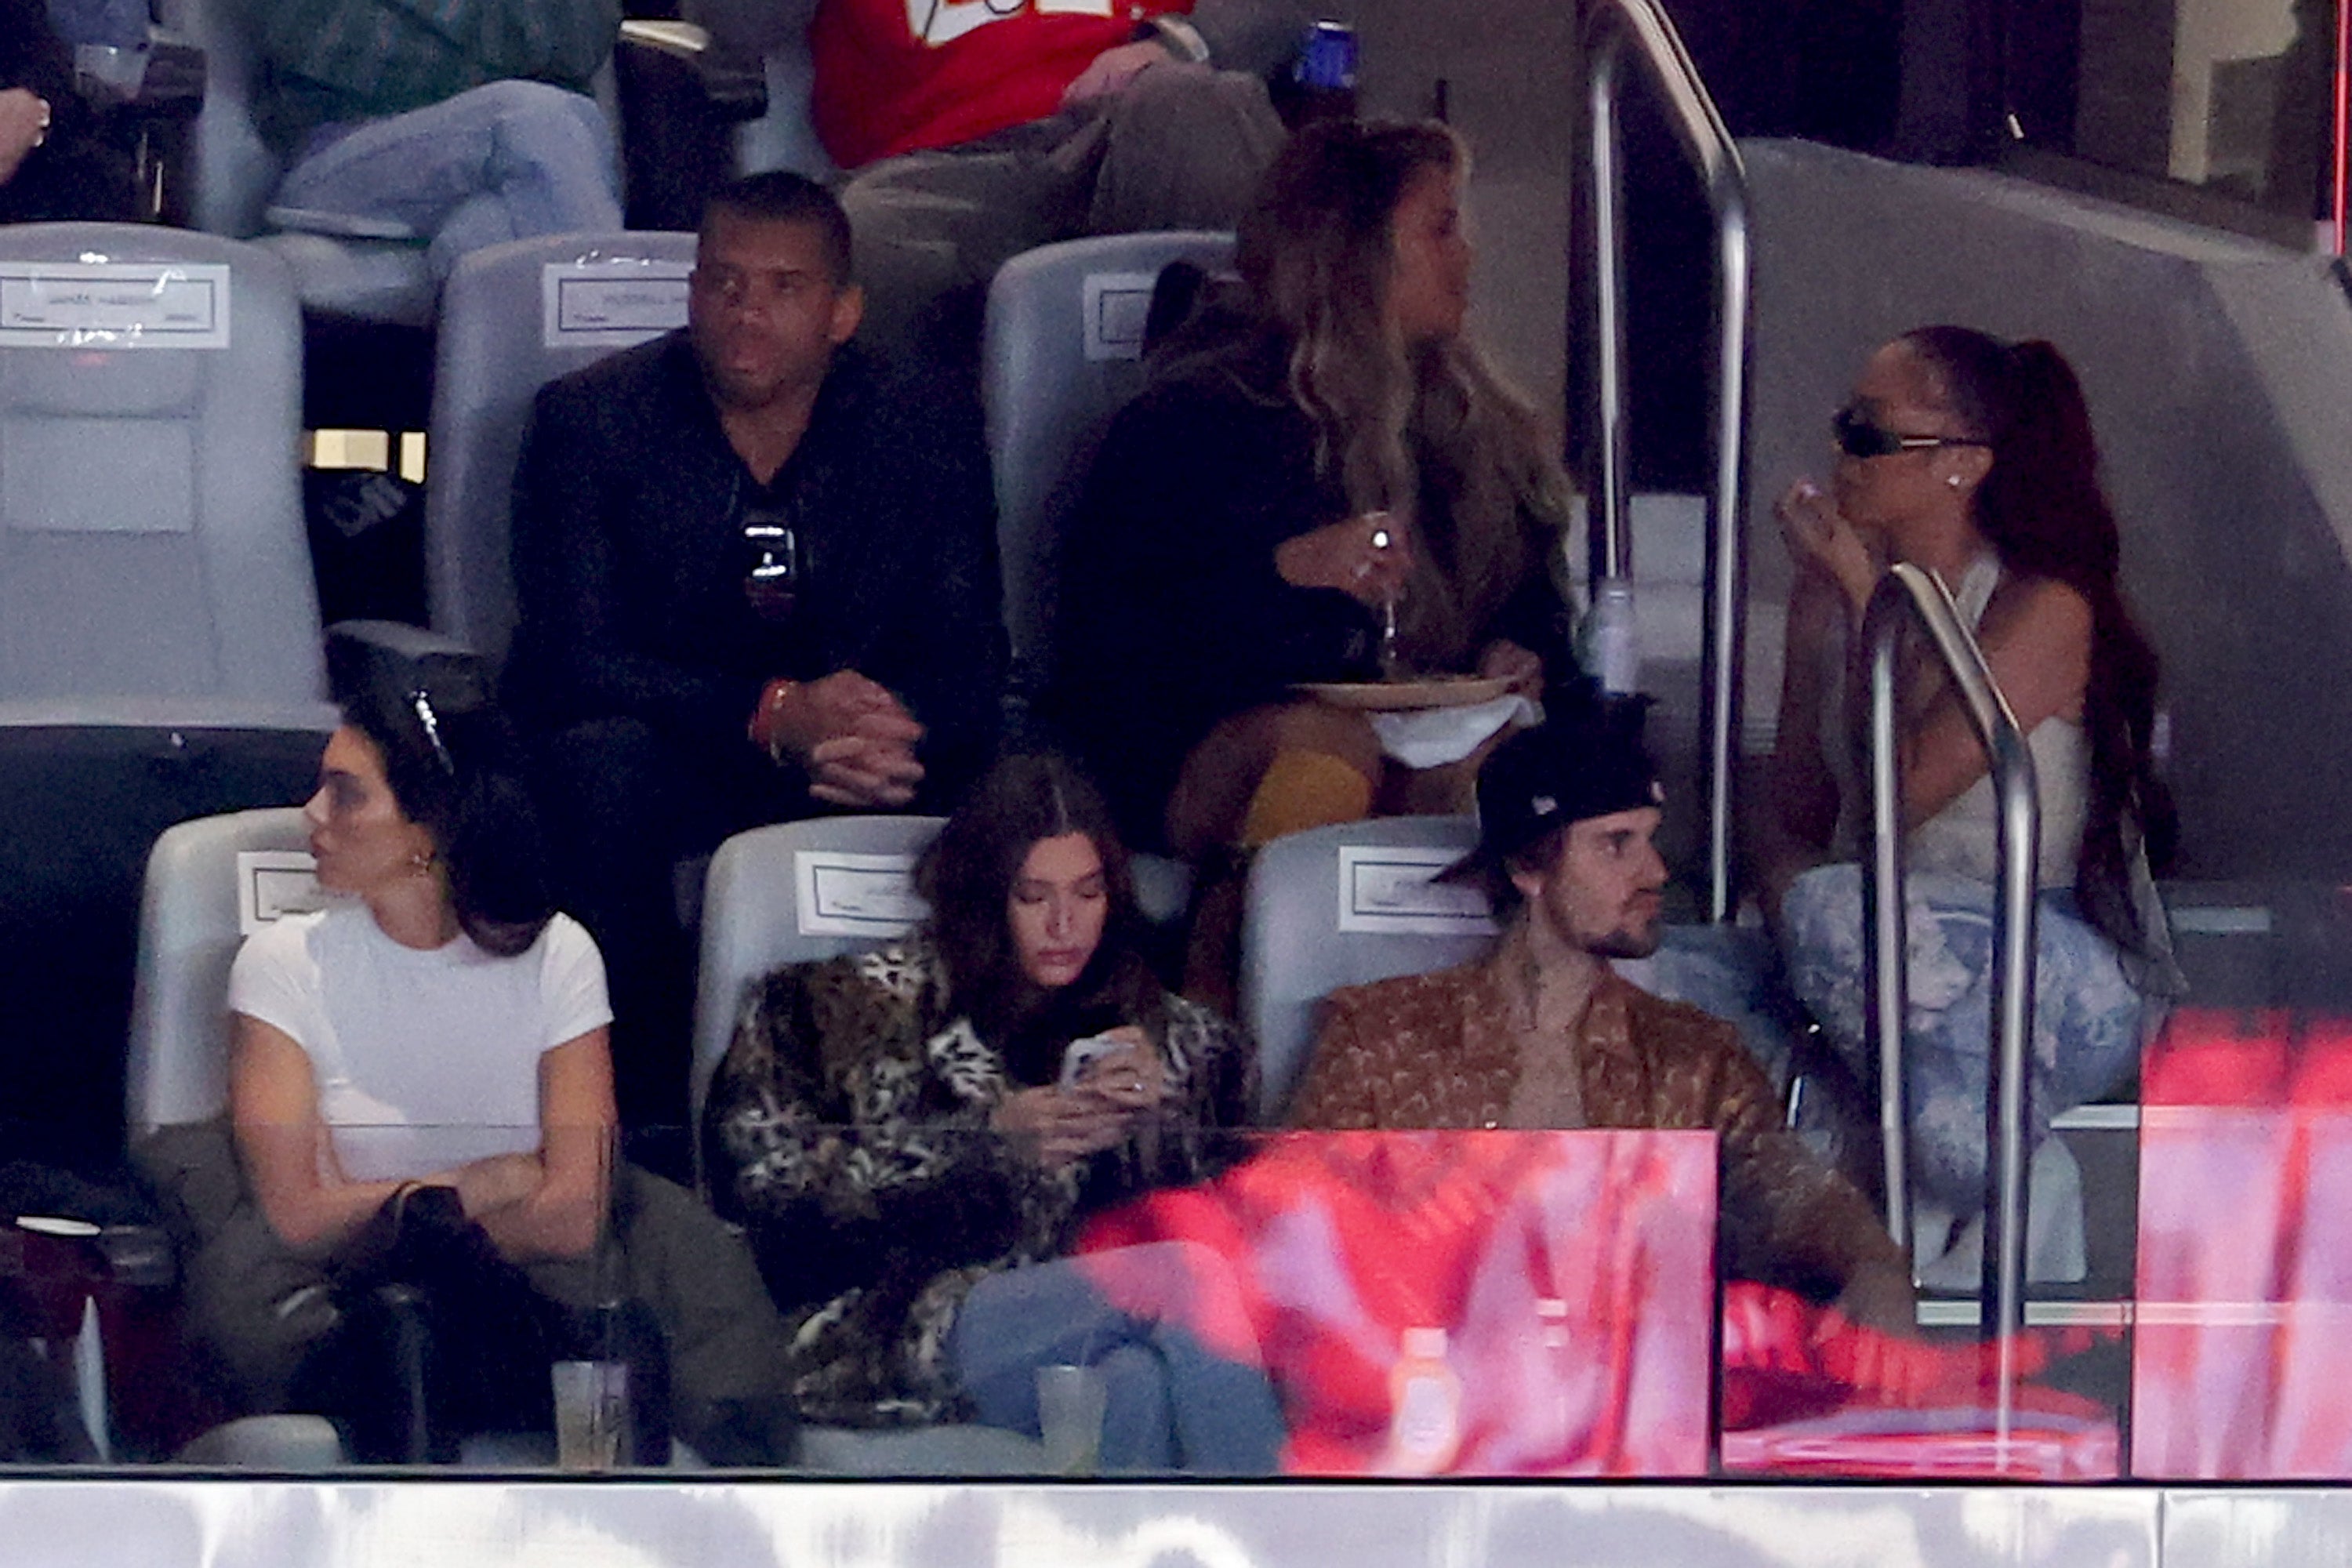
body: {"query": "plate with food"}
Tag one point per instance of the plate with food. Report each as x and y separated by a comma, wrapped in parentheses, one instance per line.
(1403, 696)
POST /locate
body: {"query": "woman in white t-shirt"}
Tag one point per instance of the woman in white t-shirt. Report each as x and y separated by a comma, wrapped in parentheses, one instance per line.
(447, 1027)
(420, 1084)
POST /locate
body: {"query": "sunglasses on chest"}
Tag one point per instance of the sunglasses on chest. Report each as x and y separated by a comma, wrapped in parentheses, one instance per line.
(1860, 435)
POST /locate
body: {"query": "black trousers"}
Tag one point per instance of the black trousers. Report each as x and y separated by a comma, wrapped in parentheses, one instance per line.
(624, 804)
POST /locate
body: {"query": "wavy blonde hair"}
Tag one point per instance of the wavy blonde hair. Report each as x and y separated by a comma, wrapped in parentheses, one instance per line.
(1394, 424)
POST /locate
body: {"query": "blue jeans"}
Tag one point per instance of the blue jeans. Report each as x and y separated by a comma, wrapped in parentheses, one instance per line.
(1172, 1404)
(2087, 1014)
(499, 162)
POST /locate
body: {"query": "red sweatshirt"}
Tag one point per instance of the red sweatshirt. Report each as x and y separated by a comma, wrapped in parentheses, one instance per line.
(893, 75)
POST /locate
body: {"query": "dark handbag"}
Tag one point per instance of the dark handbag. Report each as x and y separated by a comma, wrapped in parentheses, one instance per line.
(438, 1336)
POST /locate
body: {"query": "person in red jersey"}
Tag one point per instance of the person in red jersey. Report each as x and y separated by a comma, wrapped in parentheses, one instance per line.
(973, 129)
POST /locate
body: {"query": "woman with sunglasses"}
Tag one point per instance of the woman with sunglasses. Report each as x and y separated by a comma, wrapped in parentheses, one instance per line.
(1974, 460)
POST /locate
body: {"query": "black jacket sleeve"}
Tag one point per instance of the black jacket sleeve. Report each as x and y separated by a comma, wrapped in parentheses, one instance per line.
(931, 627)
(1171, 613)
(1190, 494)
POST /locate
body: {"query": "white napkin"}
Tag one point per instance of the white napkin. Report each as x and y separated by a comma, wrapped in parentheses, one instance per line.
(1432, 737)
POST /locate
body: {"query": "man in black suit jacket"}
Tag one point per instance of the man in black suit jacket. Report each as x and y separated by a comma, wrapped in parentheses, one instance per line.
(757, 578)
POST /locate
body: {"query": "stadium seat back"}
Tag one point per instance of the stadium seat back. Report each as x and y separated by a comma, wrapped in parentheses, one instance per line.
(1345, 905)
(152, 541)
(208, 882)
(515, 317)
(1061, 351)
(794, 893)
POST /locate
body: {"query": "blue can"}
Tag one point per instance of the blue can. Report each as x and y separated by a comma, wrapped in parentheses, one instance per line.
(1327, 59)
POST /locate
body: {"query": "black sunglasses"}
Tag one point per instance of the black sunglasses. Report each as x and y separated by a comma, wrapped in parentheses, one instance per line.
(1859, 435)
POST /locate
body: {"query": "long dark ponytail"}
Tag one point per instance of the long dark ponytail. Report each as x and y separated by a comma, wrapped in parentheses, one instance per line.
(2041, 507)
(453, 765)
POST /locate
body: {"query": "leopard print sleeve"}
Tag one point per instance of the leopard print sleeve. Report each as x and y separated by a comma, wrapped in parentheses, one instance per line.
(767, 1099)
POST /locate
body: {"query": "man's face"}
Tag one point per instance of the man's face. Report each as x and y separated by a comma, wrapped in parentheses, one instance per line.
(1602, 891)
(764, 311)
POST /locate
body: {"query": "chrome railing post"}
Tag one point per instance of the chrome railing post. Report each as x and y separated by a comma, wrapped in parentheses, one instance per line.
(1886, 986)
(1909, 592)
(1614, 29)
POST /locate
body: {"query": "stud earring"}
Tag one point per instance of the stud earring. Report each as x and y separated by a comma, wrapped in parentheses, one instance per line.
(1953, 480)
(420, 864)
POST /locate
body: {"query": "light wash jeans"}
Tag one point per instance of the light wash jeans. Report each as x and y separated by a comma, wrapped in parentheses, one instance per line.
(1172, 1402)
(2087, 1014)
(499, 162)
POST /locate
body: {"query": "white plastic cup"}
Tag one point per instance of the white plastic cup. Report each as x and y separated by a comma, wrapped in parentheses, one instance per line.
(1070, 1403)
(592, 1413)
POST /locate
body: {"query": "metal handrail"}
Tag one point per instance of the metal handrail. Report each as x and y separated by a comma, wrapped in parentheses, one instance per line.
(1909, 592)
(1612, 30)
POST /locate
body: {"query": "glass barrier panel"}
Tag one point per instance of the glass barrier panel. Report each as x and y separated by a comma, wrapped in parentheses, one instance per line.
(943, 1301)
(2235, 96)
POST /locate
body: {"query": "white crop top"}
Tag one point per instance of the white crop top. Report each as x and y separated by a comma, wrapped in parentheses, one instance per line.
(424, 1060)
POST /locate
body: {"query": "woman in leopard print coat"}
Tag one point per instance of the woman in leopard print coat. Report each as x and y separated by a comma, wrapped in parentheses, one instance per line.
(895, 1126)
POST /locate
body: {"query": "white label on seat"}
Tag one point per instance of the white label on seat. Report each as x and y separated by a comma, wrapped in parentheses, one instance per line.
(1117, 304)
(855, 895)
(1386, 889)
(610, 304)
(274, 883)
(113, 305)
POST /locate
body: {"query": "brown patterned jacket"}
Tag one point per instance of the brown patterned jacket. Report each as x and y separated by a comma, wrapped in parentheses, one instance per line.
(1437, 1050)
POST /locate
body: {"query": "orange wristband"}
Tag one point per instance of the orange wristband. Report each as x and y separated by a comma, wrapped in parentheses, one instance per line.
(773, 695)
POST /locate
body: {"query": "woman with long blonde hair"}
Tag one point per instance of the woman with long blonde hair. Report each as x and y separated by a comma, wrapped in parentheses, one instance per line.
(1335, 489)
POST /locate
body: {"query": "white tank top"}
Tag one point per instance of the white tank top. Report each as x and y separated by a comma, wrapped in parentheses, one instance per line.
(1963, 837)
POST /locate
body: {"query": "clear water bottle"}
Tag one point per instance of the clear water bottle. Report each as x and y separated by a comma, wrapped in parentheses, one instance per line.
(1425, 1408)
(1612, 648)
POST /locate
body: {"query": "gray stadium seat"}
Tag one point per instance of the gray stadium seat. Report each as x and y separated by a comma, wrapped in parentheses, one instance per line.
(755, 916)
(208, 881)
(513, 318)
(1343, 905)
(1060, 352)
(783, 138)
(159, 631)
(151, 552)
(202, 892)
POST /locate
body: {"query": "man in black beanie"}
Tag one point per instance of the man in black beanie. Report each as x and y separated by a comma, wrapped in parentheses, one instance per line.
(1541, 1033)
